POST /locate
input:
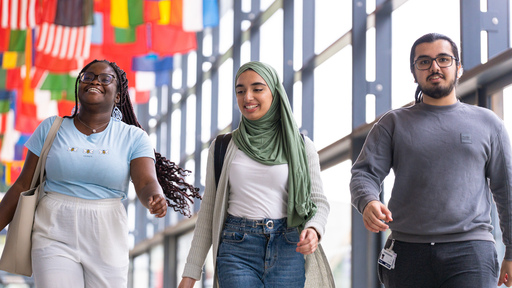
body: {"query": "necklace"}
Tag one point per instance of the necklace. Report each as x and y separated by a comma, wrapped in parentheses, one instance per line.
(93, 129)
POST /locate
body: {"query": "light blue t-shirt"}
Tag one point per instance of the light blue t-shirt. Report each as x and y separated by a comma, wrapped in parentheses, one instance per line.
(90, 167)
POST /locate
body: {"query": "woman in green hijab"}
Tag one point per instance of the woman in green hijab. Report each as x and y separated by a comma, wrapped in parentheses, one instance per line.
(267, 213)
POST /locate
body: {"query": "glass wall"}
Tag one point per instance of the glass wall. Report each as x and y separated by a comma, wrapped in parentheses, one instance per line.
(331, 116)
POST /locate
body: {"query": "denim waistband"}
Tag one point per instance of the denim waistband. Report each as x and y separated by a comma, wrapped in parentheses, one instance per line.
(258, 226)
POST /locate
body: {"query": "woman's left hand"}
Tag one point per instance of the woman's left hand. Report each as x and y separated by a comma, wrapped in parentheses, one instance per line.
(157, 205)
(308, 241)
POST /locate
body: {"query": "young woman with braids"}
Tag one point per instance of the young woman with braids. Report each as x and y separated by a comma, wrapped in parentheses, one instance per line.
(80, 234)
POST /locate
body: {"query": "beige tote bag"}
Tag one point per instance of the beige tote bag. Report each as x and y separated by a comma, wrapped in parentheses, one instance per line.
(16, 257)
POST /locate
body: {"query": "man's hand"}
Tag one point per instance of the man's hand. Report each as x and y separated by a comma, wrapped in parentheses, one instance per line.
(505, 273)
(375, 216)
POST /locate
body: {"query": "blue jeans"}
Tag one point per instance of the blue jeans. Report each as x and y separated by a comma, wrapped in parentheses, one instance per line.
(442, 265)
(259, 253)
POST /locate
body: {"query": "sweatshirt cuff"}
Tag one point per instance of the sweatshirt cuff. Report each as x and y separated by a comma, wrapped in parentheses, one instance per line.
(508, 253)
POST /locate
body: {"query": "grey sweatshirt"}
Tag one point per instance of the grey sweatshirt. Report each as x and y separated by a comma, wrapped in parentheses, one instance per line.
(446, 161)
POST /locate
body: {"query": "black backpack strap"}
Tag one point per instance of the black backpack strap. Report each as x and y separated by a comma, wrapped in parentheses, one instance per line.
(221, 145)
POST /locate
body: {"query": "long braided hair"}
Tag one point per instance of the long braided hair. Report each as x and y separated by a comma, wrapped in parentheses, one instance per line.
(170, 176)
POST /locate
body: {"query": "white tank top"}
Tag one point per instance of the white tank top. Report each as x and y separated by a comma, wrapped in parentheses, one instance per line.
(257, 191)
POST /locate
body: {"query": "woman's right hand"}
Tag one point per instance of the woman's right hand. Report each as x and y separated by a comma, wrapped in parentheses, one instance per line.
(187, 282)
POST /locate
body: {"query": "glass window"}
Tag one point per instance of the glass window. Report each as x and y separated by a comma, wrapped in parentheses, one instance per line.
(156, 269)
(184, 242)
(141, 271)
(333, 19)
(271, 33)
(403, 85)
(337, 239)
(333, 99)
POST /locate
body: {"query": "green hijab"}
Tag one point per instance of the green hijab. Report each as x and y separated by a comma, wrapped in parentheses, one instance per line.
(275, 139)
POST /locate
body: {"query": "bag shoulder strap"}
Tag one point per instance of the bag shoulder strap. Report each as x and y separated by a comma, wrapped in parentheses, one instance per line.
(221, 145)
(36, 179)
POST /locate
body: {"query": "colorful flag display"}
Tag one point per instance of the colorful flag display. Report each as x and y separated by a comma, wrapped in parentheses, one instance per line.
(44, 43)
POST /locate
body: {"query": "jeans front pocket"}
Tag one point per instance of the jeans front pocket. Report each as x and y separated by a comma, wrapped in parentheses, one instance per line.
(232, 236)
(292, 236)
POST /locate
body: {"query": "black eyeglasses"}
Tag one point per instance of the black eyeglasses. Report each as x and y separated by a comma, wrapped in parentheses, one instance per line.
(425, 62)
(103, 78)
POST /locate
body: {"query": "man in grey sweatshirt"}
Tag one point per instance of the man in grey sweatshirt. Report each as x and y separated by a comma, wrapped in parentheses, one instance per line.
(447, 157)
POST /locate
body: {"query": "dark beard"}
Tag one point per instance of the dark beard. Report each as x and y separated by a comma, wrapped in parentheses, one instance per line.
(438, 92)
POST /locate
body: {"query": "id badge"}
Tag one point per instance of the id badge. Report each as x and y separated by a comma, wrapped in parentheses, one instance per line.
(387, 257)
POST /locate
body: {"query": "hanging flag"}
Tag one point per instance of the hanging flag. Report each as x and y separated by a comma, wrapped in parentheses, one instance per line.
(12, 60)
(46, 11)
(8, 172)
(164, 12)
(193, 15)
(26, 117)
(19, 147)
(13, 79)
(198, 14)
(37, 75)
(5, 35)
(141, 97)
(160, 66)
(65, 107)
(210, 13)
(16, 167)
(17, 40)
(18, 14)
(175, 41)
(176, 17)
(152, 10)
(28, 92)
(10, 138)
(97, 29)
(126, 13)
(152, 62)
(74, 13)
(59, 83)
(59, 47)
(125, 35)
(3, 78)
(117, 50)
(3, 124)
(5, 103)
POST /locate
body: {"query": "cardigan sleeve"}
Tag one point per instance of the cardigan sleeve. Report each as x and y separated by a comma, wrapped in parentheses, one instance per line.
(202, 239)
(319, 220)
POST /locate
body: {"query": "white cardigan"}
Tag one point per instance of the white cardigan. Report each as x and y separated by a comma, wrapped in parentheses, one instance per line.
(213, 213)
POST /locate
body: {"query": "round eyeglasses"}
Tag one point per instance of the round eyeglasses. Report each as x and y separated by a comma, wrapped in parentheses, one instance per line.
(103, 78)
(425, 62)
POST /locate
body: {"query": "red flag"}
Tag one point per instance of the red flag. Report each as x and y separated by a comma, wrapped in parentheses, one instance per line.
(3, 123)
(18, 14)
(175, 41)
(142, 97)
(46, 11)
(176, 13)
(65, 107)
(151, 11)
(59, 47)
(13, 80)
(16, 168)
(26, 117)
(37, 75)
(4, 39)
